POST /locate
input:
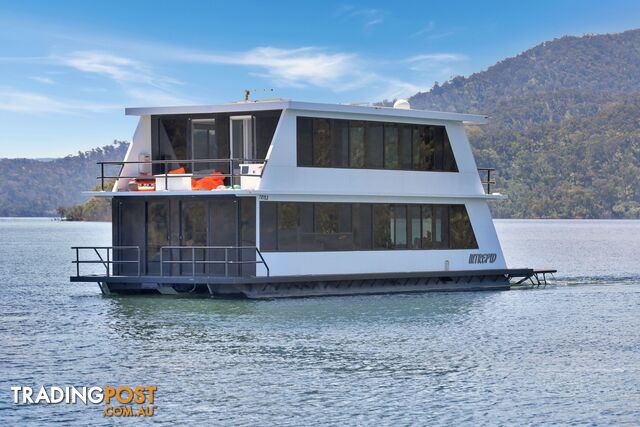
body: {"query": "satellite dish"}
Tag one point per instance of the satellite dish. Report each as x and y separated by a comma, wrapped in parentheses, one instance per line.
(402, 104)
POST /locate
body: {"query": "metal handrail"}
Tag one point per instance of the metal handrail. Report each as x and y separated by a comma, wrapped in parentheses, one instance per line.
(488, 181)
(195, 262)
(109, 257)
(166, 163)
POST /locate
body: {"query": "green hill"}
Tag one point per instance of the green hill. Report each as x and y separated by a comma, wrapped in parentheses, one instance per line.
(32, 187)
(565, 126)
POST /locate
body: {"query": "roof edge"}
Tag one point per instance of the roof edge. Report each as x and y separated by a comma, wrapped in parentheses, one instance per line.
(308, 106)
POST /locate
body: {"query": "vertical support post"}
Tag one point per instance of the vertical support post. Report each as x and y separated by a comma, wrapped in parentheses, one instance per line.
(139, 261)
(232, 172)
(108, 264)
(193, 261)
(488, 181)
(166, 176)
(102, 176)
(77, 262)
(161, 264)
(226, 262)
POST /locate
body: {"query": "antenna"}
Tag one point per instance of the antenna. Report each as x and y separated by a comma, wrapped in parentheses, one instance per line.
(247, 92)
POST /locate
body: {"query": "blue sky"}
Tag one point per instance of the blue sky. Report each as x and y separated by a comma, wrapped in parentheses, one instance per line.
(68, 69)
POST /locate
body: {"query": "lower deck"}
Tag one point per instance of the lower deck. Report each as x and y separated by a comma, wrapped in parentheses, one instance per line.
(317, 285)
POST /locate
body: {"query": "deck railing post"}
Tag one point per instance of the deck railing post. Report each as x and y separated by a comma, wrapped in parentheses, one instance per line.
(161, 263)
(193, 261)
(102, 176)
(107, 265)
(77, 262)
(139, 261)
(226, 262)
(166, 176)
(488, 181)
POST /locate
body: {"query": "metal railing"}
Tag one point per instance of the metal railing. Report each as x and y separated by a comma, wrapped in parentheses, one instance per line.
(104, 255)
(231, 163)
(206, 260)
(488, 181)
(108, 259)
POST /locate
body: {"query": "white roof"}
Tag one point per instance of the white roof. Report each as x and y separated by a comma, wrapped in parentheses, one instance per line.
(307, 106)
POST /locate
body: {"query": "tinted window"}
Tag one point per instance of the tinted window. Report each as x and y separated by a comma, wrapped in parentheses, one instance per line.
(374, 145)
(304, 137)
(356, 145)
(382, 225)
(322, 142)
(404, 148)
(157, 233)
(287, 226)
(415, 227)
(363, 226)
(391, 152)
(268, 226)
(462, 235)
(172, 143)
(399, 231)
(340, 143)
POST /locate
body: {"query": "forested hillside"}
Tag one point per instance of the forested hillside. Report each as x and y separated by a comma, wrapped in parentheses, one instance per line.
(565, 126)
(31, 187)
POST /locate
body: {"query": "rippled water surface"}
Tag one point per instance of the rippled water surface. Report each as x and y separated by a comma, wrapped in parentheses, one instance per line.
(569, 353)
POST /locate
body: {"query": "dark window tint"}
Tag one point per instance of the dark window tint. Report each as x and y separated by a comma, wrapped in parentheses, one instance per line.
(356, 144)
(404, 147)
(362, 226)
(414, 240)
(340, 143)
(322, 142)
(462, 235)
(374, 145)
(172, 143)
(382, 225)
(287, 226)
(304, 138)
(391, 149)
(399, 230)
(268, 226)
(157, 233)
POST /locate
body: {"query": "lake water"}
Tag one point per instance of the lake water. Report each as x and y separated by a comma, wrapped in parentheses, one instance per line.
(566, 354)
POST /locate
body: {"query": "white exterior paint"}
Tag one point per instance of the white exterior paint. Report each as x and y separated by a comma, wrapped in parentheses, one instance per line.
(141, 144)
(283, 180)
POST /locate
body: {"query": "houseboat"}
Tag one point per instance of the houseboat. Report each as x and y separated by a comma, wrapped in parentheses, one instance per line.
(279, 198)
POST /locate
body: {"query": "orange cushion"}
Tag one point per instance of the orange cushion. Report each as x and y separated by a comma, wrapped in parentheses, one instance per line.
(210, 182)
(179, 170)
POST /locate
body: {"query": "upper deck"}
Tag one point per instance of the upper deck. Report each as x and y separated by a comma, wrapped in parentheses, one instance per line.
(299, 149)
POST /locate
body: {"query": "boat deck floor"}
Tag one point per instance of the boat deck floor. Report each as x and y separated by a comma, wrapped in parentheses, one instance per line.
(520, 274)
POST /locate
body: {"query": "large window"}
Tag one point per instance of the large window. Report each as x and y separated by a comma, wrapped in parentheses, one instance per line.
(300, 227)
(334, 143)
(208, 136)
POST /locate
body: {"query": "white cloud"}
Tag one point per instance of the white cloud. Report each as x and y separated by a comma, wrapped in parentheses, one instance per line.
(118, 68)
(44, 80)
(31, 102)
(435, 62)
(300, 67)
(369, 16)
(396, 89)
(424, 30)
(437, 57)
